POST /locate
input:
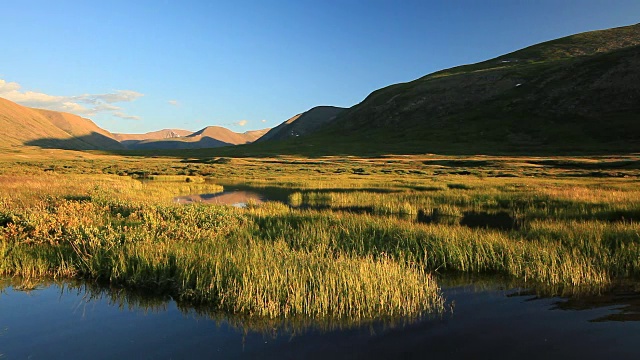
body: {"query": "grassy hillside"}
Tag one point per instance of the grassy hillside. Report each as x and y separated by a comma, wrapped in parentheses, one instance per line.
(80, 127)
(23, 126)
(575, 95)
(49, 129)
(579, 94)
(302, 124)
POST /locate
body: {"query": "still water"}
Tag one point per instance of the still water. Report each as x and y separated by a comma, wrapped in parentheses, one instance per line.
(60, 320)
(237, 195)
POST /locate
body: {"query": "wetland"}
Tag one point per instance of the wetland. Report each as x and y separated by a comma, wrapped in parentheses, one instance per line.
(293, 257)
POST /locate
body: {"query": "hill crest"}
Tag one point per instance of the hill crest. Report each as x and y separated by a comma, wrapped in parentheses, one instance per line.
(576, 94)
(154, 135)
(51, 129)
(303, 123)
(208, 137)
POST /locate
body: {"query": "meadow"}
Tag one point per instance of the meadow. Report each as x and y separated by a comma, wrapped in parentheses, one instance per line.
(358, 238)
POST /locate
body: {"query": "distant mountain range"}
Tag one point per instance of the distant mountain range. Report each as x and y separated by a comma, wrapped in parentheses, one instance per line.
(580, 93)
(209, 137)
(154, 135)
(58, 130)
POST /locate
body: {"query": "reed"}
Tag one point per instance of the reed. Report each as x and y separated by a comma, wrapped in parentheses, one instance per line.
(443, 248)
(346, 245)
(206, 254)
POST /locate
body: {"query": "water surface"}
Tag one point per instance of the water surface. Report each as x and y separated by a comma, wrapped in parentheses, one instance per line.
(237, 195)
(61, 321)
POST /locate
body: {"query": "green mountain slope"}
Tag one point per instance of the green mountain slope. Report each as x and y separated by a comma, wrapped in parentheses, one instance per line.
(302, 124)
(576, 94)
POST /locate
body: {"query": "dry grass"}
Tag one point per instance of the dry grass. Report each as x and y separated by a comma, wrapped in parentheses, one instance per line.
(273, 260)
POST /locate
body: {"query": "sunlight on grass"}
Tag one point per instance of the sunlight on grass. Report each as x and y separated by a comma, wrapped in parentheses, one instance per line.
(343, 246)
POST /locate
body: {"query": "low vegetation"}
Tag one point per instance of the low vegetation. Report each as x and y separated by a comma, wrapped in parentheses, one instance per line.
(360, 239)
(195, 253)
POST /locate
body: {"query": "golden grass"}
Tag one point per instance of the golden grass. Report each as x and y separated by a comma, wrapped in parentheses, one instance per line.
(275, 260)
(200, 254)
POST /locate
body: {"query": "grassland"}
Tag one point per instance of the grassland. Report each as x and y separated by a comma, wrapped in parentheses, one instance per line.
(359, 238)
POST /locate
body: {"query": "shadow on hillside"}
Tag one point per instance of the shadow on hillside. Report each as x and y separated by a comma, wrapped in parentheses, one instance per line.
(209, 151)
(97, 141)
(93, 141)
(175, 144)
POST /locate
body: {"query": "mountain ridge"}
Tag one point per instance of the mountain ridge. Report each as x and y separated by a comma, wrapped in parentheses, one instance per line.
(207, 137)
(51, 129)
(581, 94)
(158, 135)
(303, 123)
(572, 94)
(25, 126)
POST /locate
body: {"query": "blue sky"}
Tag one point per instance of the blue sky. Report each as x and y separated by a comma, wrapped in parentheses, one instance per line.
(138, 66)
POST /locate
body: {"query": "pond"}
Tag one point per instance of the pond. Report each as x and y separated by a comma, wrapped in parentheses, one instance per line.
(64, 320)
(237, 195)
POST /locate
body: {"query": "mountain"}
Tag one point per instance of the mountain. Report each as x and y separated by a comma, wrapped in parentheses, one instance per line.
(223, 134)
(255, 135)
(209, 137)
(130, 140)
(302, 124)
(576, 94)
(154, 135)
(51, 129)
(57, 130)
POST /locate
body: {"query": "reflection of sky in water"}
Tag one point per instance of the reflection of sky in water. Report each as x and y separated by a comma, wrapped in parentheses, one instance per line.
(625, 302)
(83, 322)
(237, 198)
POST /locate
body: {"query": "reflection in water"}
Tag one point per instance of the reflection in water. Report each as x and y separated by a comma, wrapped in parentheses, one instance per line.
(238, 195)
(235, 198)
(137, 300)
(84, 320)
(624, 299)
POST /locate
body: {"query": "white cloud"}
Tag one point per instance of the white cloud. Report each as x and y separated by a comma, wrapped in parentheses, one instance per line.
(263, 120)
(122, 115)
(117, 96)
(85, 104)
(173, 102)
(74, 108)
(8, 87)
(106, 107)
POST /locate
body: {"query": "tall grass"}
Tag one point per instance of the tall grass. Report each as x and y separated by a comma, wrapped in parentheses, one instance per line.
(452, 248)
(205, 254)
(363, 255)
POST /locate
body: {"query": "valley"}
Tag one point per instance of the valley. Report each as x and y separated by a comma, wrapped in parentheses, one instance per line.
(433, 208)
